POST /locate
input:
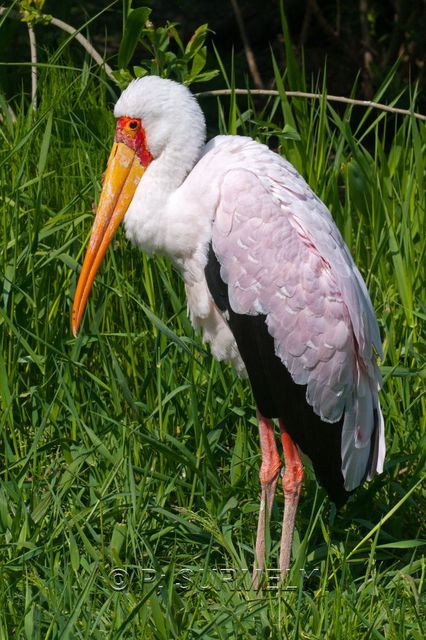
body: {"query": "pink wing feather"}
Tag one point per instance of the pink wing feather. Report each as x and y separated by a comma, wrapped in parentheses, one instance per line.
(282, 255)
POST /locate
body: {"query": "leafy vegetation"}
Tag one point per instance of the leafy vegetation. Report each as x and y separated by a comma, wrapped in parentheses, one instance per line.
(186, 65)
(129, 475)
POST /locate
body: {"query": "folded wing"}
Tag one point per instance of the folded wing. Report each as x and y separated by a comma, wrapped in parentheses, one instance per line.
(282, 255)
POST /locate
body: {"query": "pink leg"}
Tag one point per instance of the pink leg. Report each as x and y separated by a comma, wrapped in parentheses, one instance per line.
(292, 484)
(269, 471)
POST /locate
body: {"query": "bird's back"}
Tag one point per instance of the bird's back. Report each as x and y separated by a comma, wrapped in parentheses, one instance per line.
(296, 305)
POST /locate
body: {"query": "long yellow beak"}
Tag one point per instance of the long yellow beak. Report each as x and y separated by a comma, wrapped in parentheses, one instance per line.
(122, 176)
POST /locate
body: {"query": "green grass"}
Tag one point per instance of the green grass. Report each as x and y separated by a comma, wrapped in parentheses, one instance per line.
(130, 450)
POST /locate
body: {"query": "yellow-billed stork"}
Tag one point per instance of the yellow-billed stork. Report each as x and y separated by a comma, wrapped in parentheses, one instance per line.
(268, 278)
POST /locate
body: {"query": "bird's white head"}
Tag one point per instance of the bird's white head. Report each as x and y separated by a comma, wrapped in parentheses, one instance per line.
(158, 120)
(169, 113)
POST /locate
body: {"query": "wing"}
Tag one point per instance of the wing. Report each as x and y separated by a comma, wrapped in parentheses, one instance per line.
(281, 255)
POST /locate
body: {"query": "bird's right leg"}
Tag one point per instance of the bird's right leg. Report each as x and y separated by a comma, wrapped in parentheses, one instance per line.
(269, 472)
(292, 485)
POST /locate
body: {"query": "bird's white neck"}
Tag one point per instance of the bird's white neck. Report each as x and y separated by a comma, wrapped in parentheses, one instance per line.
(149, 223)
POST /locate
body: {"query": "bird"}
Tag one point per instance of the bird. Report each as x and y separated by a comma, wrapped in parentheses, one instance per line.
(269, 281)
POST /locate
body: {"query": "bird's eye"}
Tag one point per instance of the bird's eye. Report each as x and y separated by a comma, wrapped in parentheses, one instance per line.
(133, 124)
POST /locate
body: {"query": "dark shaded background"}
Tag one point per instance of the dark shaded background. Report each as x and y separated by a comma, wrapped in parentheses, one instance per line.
(353, 38)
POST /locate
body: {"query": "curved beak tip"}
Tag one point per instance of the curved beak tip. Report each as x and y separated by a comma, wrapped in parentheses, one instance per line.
(74, 324)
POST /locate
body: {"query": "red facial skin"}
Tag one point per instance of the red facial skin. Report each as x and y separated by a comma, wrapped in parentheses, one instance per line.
(131, 132)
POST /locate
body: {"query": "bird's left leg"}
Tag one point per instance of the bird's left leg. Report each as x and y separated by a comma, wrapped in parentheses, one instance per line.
(269, 472)
(292, 484)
